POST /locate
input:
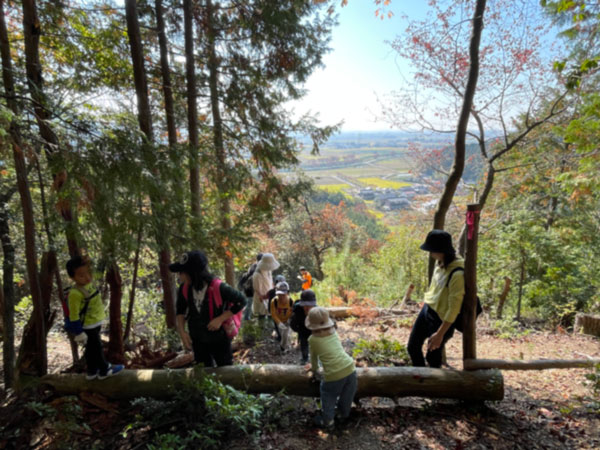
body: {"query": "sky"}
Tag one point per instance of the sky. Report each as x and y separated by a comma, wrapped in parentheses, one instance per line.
(361, 66)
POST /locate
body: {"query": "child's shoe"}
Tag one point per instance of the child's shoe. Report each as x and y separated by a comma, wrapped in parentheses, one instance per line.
(322, 423)
(91, 375)
(110, 371)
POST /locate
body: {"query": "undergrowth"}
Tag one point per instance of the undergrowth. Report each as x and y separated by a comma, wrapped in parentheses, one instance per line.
(381, 352)
(203, 413)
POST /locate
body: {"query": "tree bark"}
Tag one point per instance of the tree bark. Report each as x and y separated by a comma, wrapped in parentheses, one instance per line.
(190, 75)
(587, 324)
(503, 296)
(166, 74)
(136, 263)
(145, 121)
(539, 364)
(459, 143)
(470, 298)
(521, 283)
(8, 292)
(116, 352)
(439, 218)
(221, 169)
(293, 380)
(35, 83)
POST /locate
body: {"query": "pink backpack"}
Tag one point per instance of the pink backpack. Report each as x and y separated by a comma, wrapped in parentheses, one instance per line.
(231, 325)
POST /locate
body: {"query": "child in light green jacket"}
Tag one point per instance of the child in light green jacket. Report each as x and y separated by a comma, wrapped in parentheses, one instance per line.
(339, 382)
(86, 316)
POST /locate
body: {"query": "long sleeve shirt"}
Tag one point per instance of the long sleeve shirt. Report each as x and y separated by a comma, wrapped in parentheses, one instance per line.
(94, 315)
(443, 297)
(336, 363)
(281, 310)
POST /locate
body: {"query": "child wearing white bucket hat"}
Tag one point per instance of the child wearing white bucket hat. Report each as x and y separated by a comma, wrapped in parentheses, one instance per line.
(339, 382)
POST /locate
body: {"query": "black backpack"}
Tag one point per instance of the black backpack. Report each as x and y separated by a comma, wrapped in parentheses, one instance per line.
(298, 316)
(458, 323)
(245, 283)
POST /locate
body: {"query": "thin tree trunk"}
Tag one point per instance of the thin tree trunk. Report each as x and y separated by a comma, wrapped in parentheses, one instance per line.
(521, 283)
(166, 74)
(439, 218)
(116, 353)
(8, 292)
(221, 169)
(190, 74)
(136, 263)
(502, 298)
(145, 121)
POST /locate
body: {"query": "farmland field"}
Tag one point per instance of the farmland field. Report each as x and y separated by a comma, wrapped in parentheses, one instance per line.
(340, 169)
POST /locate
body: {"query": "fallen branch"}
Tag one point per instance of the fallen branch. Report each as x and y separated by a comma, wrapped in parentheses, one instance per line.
(341, 312)
(539, 364)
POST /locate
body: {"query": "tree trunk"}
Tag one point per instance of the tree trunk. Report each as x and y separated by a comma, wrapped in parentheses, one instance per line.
(145, 121)
(221, 169)
(8, 293)
(459, 144)
(470, 298)
(293, 380)
(540, 364)
(190, 75)
(521, 283)
(503, 296)
(136, 263)
(166, 74)
(39, 361)
(116, 353)
(33, 68)
(587, 324)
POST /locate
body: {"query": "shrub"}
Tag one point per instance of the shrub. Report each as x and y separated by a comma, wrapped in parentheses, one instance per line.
(381, 352)
(203, 412)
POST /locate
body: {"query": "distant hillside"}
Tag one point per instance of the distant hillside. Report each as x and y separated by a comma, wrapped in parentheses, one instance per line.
(379, 139)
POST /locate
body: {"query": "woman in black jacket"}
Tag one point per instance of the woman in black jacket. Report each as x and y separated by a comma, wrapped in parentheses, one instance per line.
(205, 318)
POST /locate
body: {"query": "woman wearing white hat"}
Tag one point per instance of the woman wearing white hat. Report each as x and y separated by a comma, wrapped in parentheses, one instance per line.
(262, 282)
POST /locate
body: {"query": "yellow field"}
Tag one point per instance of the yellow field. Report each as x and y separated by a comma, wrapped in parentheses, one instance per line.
(378, 214)
(333, 187)
(378, 182)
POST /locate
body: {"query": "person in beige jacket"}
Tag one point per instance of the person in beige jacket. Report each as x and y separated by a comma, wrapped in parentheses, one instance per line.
(262, 282)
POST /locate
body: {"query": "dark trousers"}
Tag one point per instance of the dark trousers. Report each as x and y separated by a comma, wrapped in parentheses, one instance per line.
(427, 323)
(219, 351)
(303, 338)
(94, 355)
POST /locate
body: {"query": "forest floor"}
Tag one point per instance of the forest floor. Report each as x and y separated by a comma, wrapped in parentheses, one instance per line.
(549, 409)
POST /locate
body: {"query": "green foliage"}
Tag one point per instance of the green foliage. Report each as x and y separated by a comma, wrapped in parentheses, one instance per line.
(204, 411)
(381, 352)
(23, 311)
(149, 320)
(251, 332)
(66, 417)
(509, 329)
(382, 276)
(41, 409)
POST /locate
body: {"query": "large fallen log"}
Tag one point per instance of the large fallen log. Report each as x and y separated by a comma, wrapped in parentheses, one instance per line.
(539, 364)
(293, 380)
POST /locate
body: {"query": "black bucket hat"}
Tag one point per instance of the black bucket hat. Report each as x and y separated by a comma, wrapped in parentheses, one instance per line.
(308, 298)
(194, 261)
(438, 241)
